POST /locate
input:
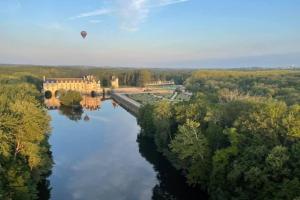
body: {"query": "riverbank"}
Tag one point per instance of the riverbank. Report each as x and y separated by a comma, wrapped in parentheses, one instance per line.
(25, 155)
(129, 104)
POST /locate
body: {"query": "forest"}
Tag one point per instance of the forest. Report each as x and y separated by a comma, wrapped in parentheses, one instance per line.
(127, 76)
(239, 135)
(25, 157)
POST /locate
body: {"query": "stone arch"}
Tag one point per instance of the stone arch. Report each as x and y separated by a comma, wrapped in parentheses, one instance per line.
(57, 93)
(93, 93)
(48, 94)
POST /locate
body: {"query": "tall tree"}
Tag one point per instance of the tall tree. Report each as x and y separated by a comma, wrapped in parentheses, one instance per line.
(144, 77)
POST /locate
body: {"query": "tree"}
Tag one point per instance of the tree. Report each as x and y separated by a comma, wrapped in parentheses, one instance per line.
(276, 163)
(272, 119)
(248, 144)
(70, 98)
(145, 120)
(144, 77)
(24, 148)
(191, 147)
(163, 123)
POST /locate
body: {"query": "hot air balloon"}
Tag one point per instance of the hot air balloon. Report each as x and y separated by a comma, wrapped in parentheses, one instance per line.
(83, 34)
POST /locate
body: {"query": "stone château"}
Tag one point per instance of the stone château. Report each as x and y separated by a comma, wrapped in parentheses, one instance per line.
(114, 82)
(86, 85)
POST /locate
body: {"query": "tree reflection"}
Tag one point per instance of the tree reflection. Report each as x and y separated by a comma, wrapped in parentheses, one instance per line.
(88, 103)
(44, 187)
(74, 114)
(172, 185)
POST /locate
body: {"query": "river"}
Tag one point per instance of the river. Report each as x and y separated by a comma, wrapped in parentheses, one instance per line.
(98, 154)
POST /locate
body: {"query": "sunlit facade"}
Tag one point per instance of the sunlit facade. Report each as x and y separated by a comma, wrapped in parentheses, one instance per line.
(86, 85)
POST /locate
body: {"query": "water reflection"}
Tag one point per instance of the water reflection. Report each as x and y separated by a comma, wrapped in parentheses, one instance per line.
(114, 104)
(172, 184)
(88, 102)
(106, 159)
(99, 159)
(75, 114)
(44, 187)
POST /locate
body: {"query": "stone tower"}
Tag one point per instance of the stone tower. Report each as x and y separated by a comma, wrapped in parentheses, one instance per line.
(114, 82)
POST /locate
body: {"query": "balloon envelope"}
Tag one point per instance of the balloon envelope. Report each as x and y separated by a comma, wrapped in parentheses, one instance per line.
(83, 34)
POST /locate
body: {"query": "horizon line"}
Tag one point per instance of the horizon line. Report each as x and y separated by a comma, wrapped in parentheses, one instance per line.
(135, 67)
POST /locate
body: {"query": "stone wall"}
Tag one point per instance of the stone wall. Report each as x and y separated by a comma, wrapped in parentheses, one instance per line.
(127, 103)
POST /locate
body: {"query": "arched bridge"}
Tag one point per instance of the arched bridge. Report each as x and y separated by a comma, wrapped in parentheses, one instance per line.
(86, 85)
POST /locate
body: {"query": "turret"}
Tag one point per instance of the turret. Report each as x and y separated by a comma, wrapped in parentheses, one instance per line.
(114, 82)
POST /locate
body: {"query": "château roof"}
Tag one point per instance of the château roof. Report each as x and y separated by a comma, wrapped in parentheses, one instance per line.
(64, 79)
(85, 78)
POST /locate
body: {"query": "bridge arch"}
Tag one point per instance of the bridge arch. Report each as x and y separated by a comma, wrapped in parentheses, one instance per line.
(48, 94)
(57, 93)
(93, 93)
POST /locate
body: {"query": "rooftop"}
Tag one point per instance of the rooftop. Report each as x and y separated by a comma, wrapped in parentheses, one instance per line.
(85, 78)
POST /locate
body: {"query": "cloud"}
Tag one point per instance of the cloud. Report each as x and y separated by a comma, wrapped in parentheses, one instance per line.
(135, 12)
(98, 12)
(131, 13)
(170, 2)
(99, 118)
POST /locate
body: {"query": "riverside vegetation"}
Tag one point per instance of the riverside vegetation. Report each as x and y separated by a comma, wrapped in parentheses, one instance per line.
(70, 99)
(25, 157)
(239, 135)
(236, 138)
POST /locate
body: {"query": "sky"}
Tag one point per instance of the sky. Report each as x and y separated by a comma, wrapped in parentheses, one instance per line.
(151, 33)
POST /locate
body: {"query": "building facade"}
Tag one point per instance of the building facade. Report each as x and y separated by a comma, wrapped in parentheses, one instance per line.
(160, 83)
(114, 82)
(86, 85)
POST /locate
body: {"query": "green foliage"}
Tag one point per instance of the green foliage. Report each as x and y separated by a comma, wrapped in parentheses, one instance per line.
(238, 137)
(272, 119)
(144, 77)
(73, 113)
(24, 128)
(70, 98)
(283, 85)
(162, 121)
(127, 76)
(191, 147)
(145, 120)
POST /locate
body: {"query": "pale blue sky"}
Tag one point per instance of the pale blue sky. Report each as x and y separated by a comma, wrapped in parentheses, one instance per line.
(151, 33)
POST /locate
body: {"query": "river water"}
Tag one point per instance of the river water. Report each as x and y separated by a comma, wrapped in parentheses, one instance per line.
(99, 155)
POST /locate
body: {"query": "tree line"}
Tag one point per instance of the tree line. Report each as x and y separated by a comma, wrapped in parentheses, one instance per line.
(127, 76)
(279, 84)
(235, 139)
